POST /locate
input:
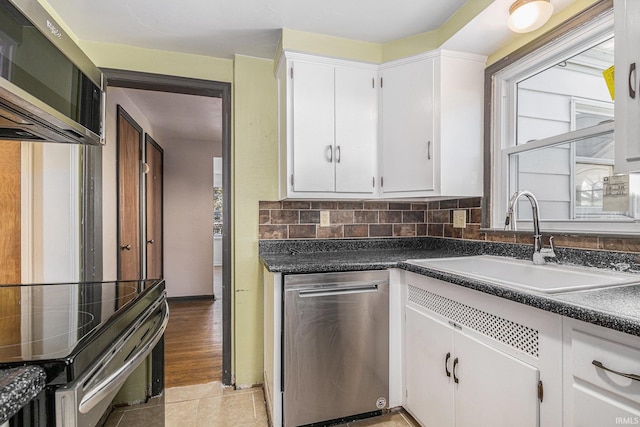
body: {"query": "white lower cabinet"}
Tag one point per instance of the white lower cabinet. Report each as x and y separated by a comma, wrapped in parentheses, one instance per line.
(473, 360)
(455, 380)
(597, 392)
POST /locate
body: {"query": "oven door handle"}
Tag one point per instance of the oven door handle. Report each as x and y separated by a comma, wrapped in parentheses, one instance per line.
(115, 380)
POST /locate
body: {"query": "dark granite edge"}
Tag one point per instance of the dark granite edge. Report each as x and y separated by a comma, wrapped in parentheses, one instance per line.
(18, 386)
(619, 261)
(533, 299)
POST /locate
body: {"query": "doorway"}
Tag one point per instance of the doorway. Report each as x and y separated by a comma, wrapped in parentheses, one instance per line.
(222, 91)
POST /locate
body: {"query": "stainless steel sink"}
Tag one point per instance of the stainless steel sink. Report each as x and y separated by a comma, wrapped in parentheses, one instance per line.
(547, 278)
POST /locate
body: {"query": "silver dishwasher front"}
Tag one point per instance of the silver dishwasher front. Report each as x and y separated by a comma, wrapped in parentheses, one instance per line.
(335, 346)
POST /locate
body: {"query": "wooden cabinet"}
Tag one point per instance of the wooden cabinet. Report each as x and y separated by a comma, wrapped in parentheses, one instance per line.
(453, 379)
(627, 86)
(596, 391)
(328, 135)
(431, 125)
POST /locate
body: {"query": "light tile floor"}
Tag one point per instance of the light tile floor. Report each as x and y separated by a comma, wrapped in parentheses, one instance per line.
(211, 404)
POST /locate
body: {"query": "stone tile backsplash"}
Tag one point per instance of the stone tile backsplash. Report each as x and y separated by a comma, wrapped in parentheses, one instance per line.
(375, 219)
(348, 219)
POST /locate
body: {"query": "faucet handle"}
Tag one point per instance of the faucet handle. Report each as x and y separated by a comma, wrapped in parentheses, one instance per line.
(549, 252)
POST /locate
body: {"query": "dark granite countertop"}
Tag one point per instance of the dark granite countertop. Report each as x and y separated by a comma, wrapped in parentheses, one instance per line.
(18, 386)
(615, 308)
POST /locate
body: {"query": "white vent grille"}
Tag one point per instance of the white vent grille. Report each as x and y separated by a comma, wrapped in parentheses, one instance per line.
(510, 333)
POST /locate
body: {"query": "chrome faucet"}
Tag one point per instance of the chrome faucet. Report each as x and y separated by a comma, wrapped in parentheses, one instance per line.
(539, 252)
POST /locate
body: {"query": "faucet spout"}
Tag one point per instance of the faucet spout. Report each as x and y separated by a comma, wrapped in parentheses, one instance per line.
(539, 253)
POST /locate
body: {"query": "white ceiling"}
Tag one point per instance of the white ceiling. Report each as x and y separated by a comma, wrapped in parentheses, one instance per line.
(249, 27)
(175, 116)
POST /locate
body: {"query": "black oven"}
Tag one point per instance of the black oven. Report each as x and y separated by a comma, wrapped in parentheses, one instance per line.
(87, 336)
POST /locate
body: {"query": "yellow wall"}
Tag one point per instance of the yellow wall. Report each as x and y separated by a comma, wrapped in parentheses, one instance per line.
(122, 57)
(254, 107)
(424, 42)
(255, 178)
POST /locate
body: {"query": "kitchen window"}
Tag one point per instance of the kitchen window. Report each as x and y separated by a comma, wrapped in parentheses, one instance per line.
(552, 134)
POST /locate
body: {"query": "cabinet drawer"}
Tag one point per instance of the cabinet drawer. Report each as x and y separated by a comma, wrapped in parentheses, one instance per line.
(613, 355)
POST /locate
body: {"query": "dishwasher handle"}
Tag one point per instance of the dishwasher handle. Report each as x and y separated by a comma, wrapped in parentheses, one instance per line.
(344, 290)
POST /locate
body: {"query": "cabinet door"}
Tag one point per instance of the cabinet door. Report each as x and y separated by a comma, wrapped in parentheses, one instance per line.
(407, 127)
(627, 82)
(429, 391)
(313, 127)
(493, 389)
(355, 120)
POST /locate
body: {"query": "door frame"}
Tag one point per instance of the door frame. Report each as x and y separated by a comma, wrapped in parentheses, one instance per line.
(190, 86)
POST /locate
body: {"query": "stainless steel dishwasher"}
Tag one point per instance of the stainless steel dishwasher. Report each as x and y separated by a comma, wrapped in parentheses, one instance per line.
(335, 346)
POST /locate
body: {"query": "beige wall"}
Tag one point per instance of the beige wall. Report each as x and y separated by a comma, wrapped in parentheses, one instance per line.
(188, 216)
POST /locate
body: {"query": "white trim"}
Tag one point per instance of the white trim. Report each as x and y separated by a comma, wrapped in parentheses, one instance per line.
(564, 138)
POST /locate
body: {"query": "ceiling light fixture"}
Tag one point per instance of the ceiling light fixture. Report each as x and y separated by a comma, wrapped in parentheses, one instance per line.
(529, 15)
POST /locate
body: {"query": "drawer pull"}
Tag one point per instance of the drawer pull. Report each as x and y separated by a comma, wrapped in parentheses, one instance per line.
(622, 374)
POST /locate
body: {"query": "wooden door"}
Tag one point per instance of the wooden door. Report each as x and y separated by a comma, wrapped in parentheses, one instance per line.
(10, 237)
(154, 206)
(129, 219)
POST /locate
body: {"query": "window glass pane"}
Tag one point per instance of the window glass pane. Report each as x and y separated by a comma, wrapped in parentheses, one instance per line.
(567, 180)
(546, 101)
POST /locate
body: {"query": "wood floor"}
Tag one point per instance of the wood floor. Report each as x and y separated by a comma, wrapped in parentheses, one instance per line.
(193, 343)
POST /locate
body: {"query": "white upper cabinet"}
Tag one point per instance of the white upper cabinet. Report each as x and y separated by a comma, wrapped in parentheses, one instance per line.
(407, 160)
(432, 125)
(355, 125)
(328, 116)
(313, 127)
(627, 85)
(428, 112)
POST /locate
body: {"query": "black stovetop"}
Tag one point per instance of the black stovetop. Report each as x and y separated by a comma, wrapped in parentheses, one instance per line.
(63, 326)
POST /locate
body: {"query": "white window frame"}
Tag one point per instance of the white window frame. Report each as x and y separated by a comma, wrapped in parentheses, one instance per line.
(503, 126)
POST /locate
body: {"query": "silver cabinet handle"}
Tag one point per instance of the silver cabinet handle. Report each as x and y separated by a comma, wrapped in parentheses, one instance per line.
(337, 154)
(428, 150)
(151, 242)
(622, 374)
(125, 247)
(330, 148)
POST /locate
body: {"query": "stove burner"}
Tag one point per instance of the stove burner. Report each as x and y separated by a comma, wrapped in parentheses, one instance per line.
(45, 334)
